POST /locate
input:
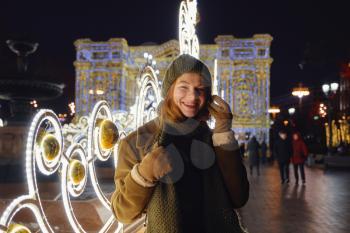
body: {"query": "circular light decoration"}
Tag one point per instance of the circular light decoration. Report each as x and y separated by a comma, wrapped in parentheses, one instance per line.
(73, 182)
(76, 172)
(100, 112)
(17, 228)
(50, 147)
(100, 126)
(45, 141)
(108, 134)
(74, 169)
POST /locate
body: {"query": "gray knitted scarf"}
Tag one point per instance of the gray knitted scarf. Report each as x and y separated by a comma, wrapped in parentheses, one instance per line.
(192, 198)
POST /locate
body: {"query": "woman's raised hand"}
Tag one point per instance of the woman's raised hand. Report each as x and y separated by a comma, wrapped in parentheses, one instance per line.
(221, 111)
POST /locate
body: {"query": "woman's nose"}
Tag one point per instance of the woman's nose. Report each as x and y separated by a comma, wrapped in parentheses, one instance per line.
(193, 94)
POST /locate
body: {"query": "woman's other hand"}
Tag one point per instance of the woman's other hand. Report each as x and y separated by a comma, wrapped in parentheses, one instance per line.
(155, 164)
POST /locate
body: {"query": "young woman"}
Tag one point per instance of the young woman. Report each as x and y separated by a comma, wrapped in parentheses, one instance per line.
(184, 176)
(299, 156)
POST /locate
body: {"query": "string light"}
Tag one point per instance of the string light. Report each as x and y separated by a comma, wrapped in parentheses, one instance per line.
(187, 32)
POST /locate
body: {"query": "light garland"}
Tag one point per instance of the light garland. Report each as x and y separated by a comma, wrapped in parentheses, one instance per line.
(148, 83)
(188, 39)
(45, 149)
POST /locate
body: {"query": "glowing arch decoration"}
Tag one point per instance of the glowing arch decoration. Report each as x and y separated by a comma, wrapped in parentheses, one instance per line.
(45, 150)
(93, 138)
(149, 97)
(188, 39)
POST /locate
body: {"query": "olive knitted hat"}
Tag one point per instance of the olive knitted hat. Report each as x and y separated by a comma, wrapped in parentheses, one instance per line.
(185, 64)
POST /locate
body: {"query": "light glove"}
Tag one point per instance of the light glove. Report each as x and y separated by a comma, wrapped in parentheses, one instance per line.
(221, 111)
(155, 164)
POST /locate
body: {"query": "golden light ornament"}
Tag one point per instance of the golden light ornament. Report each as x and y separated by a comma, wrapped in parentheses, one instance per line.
(17, 228)
(108, 134)
(76, 171)
(50, 147)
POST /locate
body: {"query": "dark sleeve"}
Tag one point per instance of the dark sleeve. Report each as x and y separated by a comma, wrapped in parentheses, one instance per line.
(234, 174)
(290, 150)
(275, 150)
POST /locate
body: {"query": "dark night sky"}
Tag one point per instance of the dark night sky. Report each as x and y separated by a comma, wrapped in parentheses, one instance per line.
(309, 32)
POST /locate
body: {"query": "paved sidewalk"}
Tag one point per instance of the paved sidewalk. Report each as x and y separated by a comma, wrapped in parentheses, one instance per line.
(321, 206)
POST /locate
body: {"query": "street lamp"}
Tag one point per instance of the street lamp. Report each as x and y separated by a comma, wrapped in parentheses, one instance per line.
(291, 111)
(300, 92)
(274, 110)
(329, 90)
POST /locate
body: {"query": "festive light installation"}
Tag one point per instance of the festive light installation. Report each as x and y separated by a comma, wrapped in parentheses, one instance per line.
(107, 70)
(17, 228)
(187, 28)
(150, 91)
(44, 150)
(72, 108)
(323, 110)
(243, 76)
(94, 139)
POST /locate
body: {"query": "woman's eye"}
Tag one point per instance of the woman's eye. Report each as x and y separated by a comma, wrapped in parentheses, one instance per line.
(183, 87)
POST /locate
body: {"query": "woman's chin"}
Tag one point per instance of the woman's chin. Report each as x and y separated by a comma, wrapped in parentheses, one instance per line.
(189, 114)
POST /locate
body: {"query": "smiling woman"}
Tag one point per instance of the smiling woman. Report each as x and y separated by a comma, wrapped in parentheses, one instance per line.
(189, 94)
(174, 167)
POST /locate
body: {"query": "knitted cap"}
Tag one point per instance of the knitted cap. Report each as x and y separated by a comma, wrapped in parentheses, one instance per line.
(185, 64)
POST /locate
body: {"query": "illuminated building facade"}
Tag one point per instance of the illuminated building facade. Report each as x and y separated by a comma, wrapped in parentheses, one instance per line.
(240, 68)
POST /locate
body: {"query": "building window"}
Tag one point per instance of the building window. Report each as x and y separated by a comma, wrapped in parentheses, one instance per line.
(261, 52)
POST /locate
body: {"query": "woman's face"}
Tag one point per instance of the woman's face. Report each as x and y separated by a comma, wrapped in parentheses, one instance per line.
(189, 94)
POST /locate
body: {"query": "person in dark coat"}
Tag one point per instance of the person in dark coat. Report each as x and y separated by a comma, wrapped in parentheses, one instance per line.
(253, 155)
(283, 152)
(242, 149)
(263, 151)
(299, 156)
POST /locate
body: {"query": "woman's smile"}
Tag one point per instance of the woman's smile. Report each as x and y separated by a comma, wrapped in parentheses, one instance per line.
(189, 94)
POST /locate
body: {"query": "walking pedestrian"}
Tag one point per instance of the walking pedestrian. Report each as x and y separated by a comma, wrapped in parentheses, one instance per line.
(299, 157)
(253, 155)
(282, 150)
(242, 149)
(263, 151)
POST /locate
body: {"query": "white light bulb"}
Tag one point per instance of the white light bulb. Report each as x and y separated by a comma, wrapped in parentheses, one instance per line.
(325, 88)
(334, 87)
